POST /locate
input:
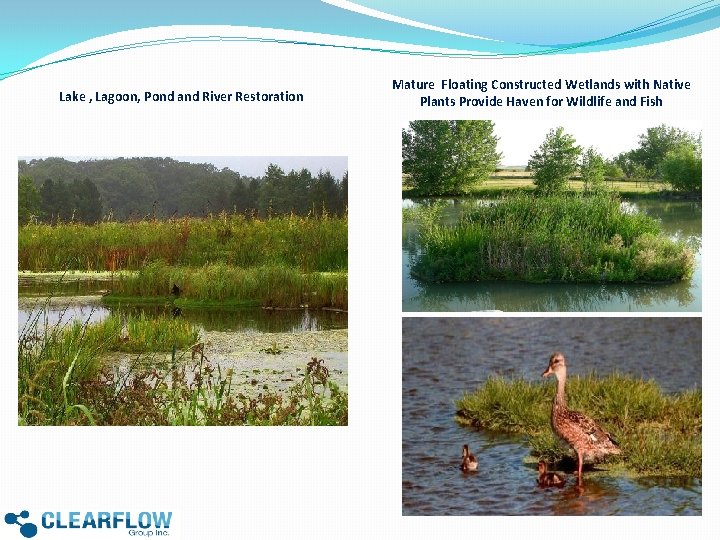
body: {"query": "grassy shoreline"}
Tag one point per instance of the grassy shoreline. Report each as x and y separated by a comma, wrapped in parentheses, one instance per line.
(660, 434)
(548, 239)
(502, 186)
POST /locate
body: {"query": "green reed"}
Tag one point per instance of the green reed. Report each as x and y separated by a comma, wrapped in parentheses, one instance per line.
(55, 361)
(659, 434)
(312, 244)
(560, 238)
(270, 286)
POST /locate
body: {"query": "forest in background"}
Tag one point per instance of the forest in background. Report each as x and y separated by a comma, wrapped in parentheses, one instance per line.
(56, 190)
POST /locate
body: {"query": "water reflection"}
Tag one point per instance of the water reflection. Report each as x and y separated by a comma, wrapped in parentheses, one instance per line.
(235, 320)
(680, 219)
(63, 285)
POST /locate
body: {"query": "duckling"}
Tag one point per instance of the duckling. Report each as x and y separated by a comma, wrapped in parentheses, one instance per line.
(469, 463)
(588, 439)
(548, 479)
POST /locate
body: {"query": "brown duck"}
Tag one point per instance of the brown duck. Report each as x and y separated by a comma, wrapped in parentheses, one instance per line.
(469, 463)
(589, 440)
(548, 479)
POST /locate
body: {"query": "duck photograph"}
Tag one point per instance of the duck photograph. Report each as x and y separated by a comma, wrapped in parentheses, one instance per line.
(576, 217)
(552, 416)
(183, 291)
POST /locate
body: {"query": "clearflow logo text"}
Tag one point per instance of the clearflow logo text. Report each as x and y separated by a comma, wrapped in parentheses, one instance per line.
(106, 520)
(138, 524)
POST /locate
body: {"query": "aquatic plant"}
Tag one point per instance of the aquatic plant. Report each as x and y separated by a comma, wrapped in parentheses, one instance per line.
(222, 284)
(63, 379)
(659, 434)
(54, 361)
(198, 393)
(311, 244)
(557, 238)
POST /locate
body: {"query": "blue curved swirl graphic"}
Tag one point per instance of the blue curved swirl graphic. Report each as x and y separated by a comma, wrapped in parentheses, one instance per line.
(33, 29)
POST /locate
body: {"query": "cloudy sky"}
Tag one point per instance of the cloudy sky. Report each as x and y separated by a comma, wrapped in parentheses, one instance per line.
(256, 165)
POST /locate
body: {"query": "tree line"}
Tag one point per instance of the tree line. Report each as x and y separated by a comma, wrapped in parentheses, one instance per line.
(447, 157)
(57, 190)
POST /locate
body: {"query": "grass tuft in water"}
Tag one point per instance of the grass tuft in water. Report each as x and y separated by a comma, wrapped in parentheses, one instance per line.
(222, 284)
(659, 434)
(565, 238)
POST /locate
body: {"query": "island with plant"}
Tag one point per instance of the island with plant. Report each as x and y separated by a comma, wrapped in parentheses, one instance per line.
(561, 220)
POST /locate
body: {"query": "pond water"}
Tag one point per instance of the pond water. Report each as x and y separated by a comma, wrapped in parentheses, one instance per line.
(224, 320)
(79, 299)
(446, 357)
(680, 219)
(233, 338)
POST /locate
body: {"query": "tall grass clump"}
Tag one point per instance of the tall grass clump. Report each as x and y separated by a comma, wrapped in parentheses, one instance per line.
(659, 434)
(556, 238)
(219, 283)
(54, 362)
(312, 244)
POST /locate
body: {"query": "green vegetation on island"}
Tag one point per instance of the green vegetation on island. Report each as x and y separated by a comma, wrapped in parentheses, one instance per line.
(658, 433)
(460, 158)
(558, 238)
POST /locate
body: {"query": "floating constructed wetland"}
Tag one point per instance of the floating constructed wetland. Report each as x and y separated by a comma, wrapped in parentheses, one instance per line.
(452, 262)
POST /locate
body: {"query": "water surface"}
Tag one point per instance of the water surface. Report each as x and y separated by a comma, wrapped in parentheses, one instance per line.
(233, 338)
(63, 300)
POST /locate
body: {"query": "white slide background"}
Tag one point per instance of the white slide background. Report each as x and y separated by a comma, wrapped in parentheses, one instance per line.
(297, 482)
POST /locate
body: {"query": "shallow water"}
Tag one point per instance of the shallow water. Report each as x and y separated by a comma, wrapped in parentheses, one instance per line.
(226, 320)
(680, 219)
(445, 357)
(233, 338)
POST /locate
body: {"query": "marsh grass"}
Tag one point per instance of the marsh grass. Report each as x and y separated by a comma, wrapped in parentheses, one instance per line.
(558, 238)
(659, 434)
(195, 393)
(311, 244)
(54, 361)
(63, 380)
(222, 284)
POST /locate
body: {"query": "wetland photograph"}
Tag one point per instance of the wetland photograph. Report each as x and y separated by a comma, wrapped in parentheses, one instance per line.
(552, 416)
(518, 220)
(183, 291)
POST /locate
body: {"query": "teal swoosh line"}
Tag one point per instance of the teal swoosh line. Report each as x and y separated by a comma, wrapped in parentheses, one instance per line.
(466, 54)
(678, 16)
(192, 39)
